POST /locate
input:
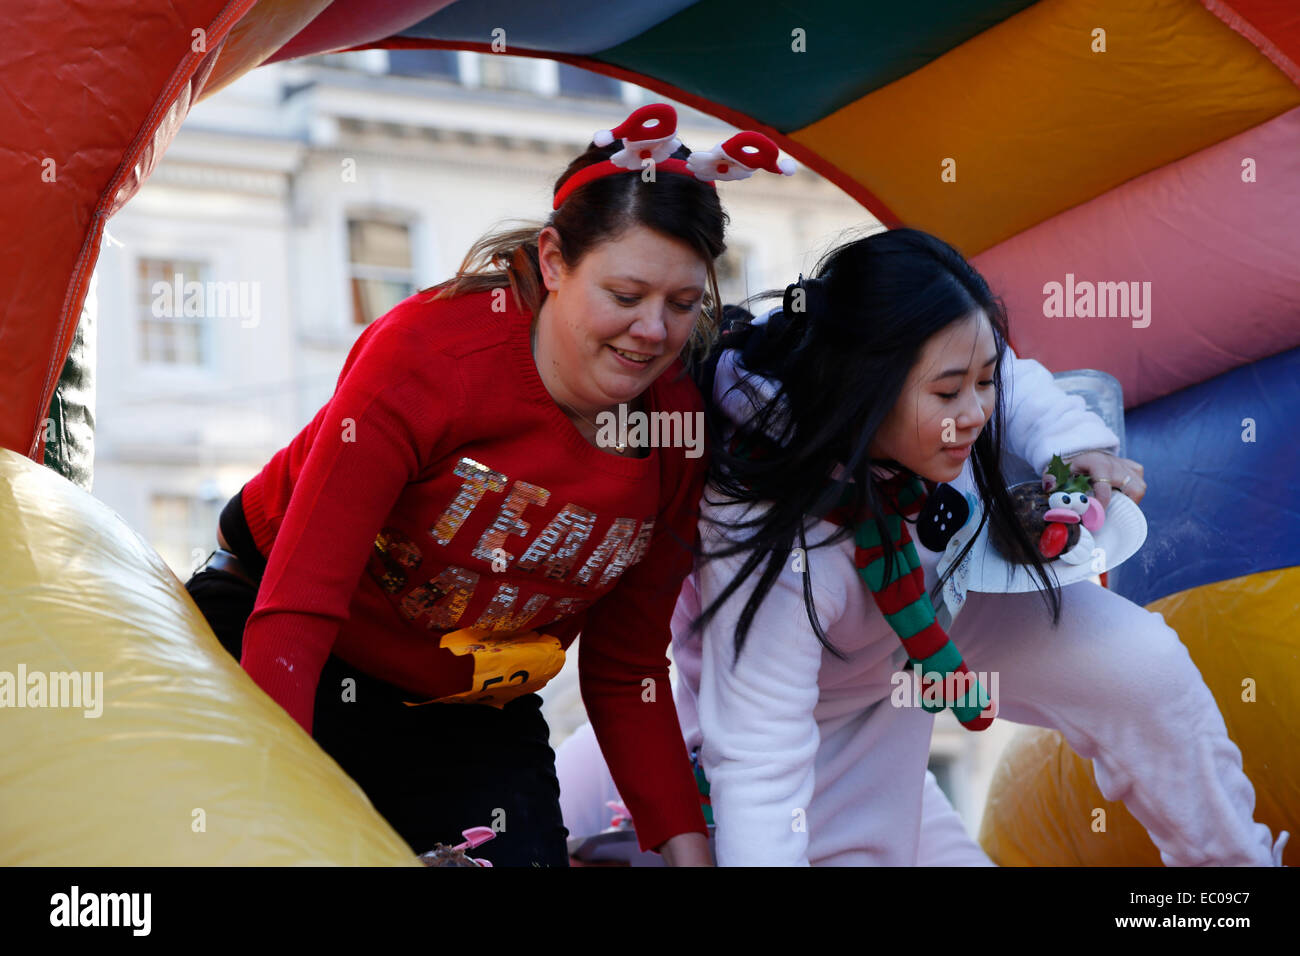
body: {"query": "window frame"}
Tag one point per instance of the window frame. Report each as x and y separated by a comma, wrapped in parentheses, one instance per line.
(353, 271)
(142, 299)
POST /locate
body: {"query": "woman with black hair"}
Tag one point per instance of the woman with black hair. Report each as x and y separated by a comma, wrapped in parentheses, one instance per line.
(881, 387)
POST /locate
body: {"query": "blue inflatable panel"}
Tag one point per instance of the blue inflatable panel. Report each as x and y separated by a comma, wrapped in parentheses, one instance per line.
(1219, 505)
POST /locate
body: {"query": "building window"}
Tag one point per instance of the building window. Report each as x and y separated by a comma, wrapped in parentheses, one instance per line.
(497, 71)
(634, 95)
(733, 280)
(575, 81)
(183, 529)
(363, 61)
(379, 254)
(173, 327)
(438, 63)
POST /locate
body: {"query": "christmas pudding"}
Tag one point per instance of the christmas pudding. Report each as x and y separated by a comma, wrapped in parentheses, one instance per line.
(1058, 514)
(444, 855)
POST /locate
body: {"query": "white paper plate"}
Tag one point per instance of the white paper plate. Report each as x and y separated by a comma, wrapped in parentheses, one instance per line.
(1119, 539)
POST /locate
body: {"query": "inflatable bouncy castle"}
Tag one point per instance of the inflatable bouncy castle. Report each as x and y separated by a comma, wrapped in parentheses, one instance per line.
(1126, 174)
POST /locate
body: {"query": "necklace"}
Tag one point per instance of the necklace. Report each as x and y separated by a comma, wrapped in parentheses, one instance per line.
(620, 448)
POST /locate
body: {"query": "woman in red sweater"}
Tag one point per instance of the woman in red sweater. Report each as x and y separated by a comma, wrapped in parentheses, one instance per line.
(411, 567)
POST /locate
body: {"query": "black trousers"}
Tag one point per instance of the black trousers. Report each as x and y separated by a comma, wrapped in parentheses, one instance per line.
(431, 771)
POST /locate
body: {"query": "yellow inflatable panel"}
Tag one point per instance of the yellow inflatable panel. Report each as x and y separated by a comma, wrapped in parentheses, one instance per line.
(1241, 635)
(1042, 805)
(128, 736)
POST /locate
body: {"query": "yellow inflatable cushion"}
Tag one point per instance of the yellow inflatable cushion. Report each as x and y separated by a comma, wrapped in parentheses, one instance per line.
(130, 737)
(1043, 799)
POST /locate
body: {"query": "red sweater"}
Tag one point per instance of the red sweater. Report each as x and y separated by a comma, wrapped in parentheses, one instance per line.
(442, 488)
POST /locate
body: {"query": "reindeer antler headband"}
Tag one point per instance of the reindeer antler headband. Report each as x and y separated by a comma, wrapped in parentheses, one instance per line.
(650, 133)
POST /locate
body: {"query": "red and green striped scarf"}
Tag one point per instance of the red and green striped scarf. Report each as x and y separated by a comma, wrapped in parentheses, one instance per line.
(906, 605)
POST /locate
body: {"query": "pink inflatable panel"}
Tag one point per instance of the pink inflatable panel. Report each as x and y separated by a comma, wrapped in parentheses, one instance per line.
(1171, 278)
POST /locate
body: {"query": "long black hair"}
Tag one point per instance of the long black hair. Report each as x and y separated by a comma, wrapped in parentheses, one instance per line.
(841, 349)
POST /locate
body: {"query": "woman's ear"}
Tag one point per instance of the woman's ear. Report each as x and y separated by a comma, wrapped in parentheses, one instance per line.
(550, 259)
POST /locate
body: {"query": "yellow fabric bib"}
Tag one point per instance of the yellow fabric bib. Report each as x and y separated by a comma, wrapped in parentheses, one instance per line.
(506, 666)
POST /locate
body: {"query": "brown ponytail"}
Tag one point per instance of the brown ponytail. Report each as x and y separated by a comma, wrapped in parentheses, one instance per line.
(505, 258)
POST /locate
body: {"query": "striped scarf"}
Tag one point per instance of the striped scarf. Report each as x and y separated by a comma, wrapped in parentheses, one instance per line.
(906, 605)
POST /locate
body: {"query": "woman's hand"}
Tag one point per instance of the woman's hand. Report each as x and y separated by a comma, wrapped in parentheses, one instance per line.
(686, 849)
(1109, 473)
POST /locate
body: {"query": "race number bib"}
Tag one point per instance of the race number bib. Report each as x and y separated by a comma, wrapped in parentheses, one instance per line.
(506, 666)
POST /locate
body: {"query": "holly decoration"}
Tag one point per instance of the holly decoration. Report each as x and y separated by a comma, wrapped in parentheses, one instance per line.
(1059, 478)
